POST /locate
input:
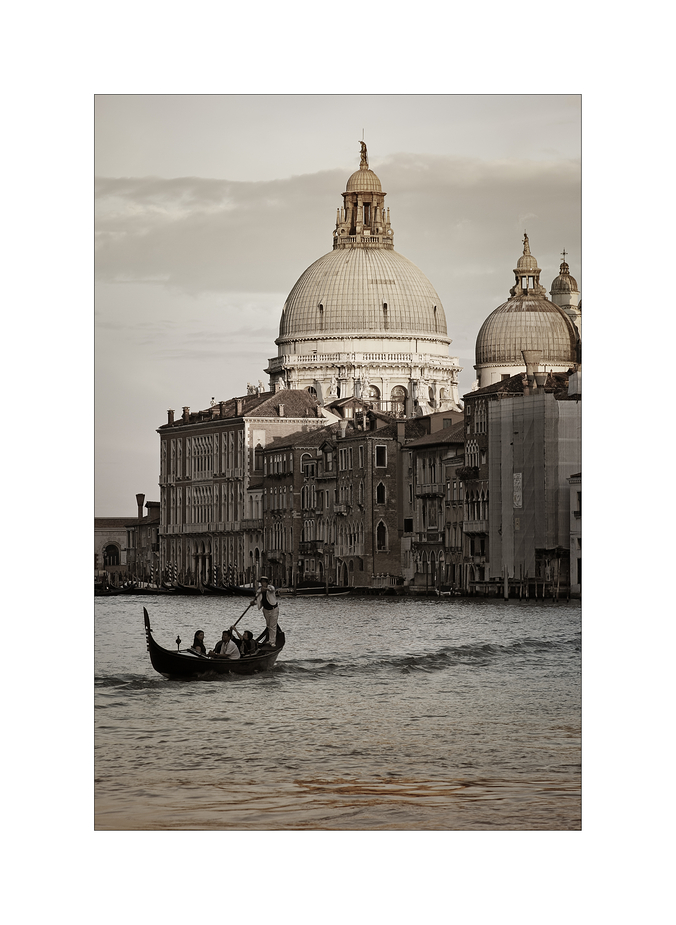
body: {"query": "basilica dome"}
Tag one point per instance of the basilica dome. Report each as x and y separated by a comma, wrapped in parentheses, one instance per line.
(527, 321)
(360, 290)
(364, 322)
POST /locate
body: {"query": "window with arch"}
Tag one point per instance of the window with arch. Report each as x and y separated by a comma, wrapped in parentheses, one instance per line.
(380, 493)
(111, 555)
(381, 537)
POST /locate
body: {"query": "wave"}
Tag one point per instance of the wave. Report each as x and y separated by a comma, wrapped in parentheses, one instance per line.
(480, 654)
(475, 654)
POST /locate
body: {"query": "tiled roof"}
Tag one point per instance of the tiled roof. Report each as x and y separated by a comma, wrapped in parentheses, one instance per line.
(455, 434)
(296, 402)
(108, 523)
(307, 438)
(556, 382)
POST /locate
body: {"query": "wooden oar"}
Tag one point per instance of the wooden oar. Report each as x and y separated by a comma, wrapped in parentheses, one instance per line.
(248, 608)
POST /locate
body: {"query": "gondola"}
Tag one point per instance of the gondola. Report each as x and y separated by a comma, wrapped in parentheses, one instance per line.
(188, 589)
(217, 589)
(243, 590)
(184, 664)
(319, 592)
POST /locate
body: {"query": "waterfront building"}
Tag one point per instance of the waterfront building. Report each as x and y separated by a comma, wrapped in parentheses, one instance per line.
(298, 490)
(335, 502)
(210, 491)
(431, 457)
(373, 485)
(454, 461)
(575, 504)
(143, 543)
(528, 320)
(522, 444)
(365, 322)
(110, 548)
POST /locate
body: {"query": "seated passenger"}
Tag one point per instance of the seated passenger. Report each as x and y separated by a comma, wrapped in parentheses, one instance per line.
(225, 647)
(198, 646)
(248, 646)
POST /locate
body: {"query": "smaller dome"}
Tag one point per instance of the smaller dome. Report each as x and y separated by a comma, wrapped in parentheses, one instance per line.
(564, 282)
(527, 262)
(363, 180)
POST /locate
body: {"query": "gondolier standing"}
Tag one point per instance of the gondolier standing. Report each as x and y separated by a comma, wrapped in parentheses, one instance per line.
(266, 599)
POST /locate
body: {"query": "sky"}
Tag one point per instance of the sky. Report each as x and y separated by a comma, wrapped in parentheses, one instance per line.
(209, 208)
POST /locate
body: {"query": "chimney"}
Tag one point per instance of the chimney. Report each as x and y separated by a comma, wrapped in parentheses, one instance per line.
(221, 406)
(541, 379)
(280, 409)
(343, 427)
(401, 432)
(139, 501)
(170, 416)
(240, 406)
(531, 358)
(186, 414)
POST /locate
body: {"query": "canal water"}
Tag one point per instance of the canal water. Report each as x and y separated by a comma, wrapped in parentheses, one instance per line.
(381, 714)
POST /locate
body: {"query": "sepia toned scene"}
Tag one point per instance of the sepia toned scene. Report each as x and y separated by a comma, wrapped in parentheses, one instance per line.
(338, 530)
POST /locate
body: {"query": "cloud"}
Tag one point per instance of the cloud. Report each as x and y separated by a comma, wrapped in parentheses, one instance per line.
(209, 235)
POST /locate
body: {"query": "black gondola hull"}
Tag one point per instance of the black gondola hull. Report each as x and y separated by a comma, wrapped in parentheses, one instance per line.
(182, 665)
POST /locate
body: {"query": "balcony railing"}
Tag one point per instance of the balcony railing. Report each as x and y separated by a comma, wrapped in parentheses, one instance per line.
(252, 524)
(430, 488)
(475, 526)
(310, 547)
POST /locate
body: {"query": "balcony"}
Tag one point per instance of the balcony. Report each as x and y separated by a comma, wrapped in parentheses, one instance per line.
(311, 547)
(340, 508)
(252, 524)
(429, 489)
(475, 527)
(431, 536)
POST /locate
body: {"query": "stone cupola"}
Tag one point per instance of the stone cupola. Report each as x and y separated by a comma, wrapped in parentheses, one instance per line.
(527, 273)
(363, 221)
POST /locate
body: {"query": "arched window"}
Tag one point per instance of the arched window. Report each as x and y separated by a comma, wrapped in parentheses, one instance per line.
(381, 536)
(312, 390)
(111, 555)
(380, 493)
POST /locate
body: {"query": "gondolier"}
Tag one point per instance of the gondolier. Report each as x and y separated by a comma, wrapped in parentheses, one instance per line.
(266, 600)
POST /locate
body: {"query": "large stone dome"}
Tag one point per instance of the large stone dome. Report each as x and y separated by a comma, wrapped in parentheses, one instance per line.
(362, 290)
(364, 322)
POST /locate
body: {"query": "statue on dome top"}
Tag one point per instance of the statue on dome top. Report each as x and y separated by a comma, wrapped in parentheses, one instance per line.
(364, 158)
